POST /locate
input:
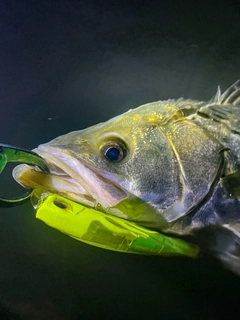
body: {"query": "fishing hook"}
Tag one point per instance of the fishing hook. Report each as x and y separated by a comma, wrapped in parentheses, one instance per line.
(10, 153)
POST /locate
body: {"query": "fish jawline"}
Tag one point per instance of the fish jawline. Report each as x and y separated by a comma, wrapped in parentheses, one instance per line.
(63, 185)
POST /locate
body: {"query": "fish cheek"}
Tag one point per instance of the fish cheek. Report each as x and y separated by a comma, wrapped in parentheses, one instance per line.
(153, 169)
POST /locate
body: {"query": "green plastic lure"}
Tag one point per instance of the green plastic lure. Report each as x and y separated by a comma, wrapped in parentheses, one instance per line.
(107, 231)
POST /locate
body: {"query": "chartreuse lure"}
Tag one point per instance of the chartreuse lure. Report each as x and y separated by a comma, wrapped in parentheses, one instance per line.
(107, 231)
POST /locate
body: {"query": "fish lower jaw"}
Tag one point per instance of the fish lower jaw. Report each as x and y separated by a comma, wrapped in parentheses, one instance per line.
(62, 185)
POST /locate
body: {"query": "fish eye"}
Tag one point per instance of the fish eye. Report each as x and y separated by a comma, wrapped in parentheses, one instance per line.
(114, 151)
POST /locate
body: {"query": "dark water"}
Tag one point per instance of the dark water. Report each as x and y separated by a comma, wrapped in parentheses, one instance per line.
(66, 65)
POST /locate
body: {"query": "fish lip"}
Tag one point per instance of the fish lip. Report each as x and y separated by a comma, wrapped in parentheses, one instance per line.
(53, 163)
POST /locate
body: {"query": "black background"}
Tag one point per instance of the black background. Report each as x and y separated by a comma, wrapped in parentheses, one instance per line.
(66, 65)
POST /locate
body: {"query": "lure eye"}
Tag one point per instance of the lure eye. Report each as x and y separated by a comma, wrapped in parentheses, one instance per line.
(114, 151)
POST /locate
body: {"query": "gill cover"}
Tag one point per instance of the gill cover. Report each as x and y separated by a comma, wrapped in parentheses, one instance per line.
(200, 160)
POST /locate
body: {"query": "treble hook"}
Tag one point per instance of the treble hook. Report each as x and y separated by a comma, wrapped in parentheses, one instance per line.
(10, 153)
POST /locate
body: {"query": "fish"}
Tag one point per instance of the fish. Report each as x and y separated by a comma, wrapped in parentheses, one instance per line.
(171, 166)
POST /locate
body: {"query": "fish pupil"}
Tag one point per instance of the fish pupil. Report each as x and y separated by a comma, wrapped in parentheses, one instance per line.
(114, 151)
(113, 154)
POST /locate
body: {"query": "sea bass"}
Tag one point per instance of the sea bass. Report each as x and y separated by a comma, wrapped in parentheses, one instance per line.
(170, 166)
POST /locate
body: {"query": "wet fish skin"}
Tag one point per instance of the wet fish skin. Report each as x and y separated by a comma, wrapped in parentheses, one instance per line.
(180, 162)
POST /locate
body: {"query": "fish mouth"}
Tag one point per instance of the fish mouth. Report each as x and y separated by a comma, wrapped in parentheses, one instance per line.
(69, 177)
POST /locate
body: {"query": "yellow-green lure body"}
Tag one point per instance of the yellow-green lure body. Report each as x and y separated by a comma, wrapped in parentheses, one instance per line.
(106, 231)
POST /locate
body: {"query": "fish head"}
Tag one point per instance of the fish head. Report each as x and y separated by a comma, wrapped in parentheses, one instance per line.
(126, 166)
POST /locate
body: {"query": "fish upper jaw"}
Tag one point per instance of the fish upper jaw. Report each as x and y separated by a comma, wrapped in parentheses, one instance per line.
(69, 177)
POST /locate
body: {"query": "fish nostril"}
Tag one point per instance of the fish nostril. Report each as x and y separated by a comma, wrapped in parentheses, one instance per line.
(60, 204)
